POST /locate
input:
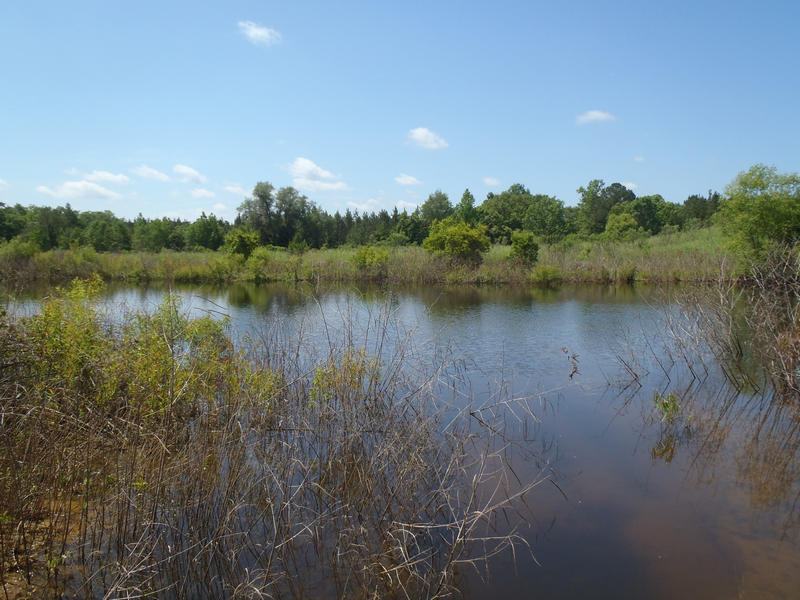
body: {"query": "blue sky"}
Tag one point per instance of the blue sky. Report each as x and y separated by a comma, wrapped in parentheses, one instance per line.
(172, 108)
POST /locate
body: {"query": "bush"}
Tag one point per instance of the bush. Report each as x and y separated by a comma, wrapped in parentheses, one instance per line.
(371, 260)
(241, 241)
(16, 249)
(622, 226)
(258, 263)
(457, 241)
(297, 245)
(546, 275)
(396, 239)
(524, 247)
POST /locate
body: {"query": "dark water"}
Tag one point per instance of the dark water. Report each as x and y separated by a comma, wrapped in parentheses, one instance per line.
(637, 501)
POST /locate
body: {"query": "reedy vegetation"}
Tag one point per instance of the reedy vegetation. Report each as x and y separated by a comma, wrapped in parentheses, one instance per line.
(149, 456)
(696, 255)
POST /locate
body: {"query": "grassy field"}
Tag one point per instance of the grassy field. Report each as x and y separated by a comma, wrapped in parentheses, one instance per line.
(698, 255)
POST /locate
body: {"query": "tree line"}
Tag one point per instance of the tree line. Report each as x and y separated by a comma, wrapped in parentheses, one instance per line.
(287, 218)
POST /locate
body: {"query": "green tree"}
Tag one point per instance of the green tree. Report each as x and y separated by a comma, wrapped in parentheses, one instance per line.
(12, 221)
(546, 218)
(761, 207)
(45, 225)
(412, 227)
(436, 207)
(621, 226)
(672, 215)
(646, 211)
(505, 212)
(152, 235)
(700, 208)
(241, 240)
(596, 203)
(104, 232)
(206, 232)
(256, 212)
(457, 241)
(465, 210)
(291, 208)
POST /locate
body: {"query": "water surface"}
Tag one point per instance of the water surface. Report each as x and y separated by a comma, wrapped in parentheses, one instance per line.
(637, 501)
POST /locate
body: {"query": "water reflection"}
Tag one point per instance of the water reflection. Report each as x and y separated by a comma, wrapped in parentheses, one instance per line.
(662, 479)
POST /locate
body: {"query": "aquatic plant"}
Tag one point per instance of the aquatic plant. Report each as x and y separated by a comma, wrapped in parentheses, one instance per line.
(150, 456)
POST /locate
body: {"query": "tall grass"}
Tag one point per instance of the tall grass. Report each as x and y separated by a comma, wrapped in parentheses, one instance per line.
(698, 255)
(692, 256)
(147, 456)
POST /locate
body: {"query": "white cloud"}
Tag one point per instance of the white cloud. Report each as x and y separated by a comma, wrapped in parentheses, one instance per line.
(308, 169)
(3, 184)
(630, 185)
(405, 205)
(368, 206)
(425, 138)
(107, 177)
(258, 34)
(309, 176)
(404, 179)
(189, 174)
(236, 189)
(594, 116)
(638, 158)
(202, 193)
(220, 207)
(146, 172)
(491, 181)
(76, 190)
(311, 185)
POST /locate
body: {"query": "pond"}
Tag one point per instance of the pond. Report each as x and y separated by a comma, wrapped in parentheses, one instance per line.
(658, 478)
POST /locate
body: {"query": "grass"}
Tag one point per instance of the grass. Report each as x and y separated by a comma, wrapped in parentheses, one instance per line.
(696, 256)
(147, 456)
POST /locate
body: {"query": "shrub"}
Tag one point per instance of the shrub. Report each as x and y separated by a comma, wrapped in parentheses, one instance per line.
(258, 262)
(396, 239)
(16, 249)
(241, 241)
(457, 241)
(546, 274)
(621, 226)
(524, 247)
(297, 245)
(371, 260)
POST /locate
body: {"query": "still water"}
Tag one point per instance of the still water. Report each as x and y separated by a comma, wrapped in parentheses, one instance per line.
(644, 495)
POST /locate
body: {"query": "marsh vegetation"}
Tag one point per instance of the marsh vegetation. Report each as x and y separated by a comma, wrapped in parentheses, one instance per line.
(145, 454)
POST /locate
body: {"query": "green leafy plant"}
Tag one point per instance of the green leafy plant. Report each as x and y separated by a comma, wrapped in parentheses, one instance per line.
(457, 241)
(524, 247)
(242, 241)
(370, 260)
(762, 208)
(546, 275)
(668, 406)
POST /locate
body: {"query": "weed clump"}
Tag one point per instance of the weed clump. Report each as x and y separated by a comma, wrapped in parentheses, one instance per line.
(150, 456)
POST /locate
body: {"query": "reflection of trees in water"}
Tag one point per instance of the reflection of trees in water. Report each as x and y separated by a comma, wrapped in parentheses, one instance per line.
(447, 300)
(713, 351)
(761, 431)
